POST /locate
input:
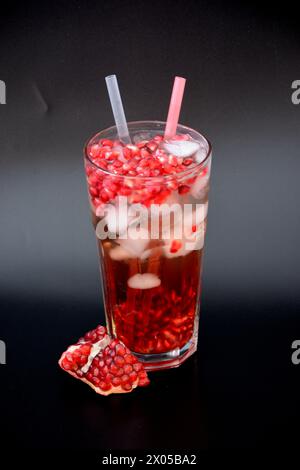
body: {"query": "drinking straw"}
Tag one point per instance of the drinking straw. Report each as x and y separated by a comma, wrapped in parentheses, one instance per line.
(117, 108)
(175, 106)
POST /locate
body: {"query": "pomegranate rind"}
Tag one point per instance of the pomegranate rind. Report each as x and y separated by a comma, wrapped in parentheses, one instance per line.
(96, 350)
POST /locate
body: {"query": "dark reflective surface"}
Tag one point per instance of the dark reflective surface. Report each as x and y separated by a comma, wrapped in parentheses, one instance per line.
(240, 390)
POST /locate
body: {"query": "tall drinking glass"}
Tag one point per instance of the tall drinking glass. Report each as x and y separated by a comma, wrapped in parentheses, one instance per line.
(150, 232)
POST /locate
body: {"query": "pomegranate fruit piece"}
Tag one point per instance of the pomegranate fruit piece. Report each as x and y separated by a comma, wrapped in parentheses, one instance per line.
(104, 364)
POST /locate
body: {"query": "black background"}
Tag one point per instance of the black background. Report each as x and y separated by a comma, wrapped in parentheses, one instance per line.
(241, 390)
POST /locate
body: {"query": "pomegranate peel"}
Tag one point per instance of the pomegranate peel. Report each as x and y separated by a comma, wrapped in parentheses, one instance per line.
(104, 364)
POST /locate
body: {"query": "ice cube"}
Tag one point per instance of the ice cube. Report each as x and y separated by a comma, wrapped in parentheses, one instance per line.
(201, 154)
(136, 242)
(196, 241)
(200, 187)
(150, 252)
(181, 148)
(144, 281)
(119, 253)
(194, 218)
(192, 232)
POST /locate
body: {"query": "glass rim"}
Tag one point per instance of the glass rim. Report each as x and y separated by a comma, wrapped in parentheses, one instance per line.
(149, 178)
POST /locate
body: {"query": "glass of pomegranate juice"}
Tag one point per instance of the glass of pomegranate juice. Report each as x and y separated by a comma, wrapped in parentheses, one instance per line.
(149, 202)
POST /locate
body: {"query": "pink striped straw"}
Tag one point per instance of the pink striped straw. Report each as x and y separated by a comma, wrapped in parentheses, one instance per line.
(175, 106)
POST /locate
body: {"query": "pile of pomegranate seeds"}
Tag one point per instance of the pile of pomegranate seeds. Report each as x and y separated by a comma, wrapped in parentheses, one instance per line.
(104, 364)
(148, 158)
(166, 325)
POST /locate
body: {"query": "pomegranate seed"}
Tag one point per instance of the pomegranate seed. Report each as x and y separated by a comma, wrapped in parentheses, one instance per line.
(132, 164)
(188, 161)
(104, 196)
(142, 144)
(96, 381)
(116, 381)
(145, 153)
(120, 350)
(168, 168)
(126, 167)
(172, 160)
(144, 381)
(126, 153)
(133, 376)
(108, 155)
(125, 192)
(85, 349)
(120, 372)
(152, 146)
(109, 378)
(125, 379)
(128, 368)
(107, 142)
(93, 191)
(93, 180)
(172, 185)
(137, 367)
(175, 246)
(114, 369)
(102, 164)
(134, 149)
(94, 151)
(119, 361)
(143, 163)
(89, 170)
(104, 385)
(183, 189)
(129, 359)
(127, 387)
(66, 364)
(69, 357)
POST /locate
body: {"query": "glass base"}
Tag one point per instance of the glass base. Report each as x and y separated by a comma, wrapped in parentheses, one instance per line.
(168, 359)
